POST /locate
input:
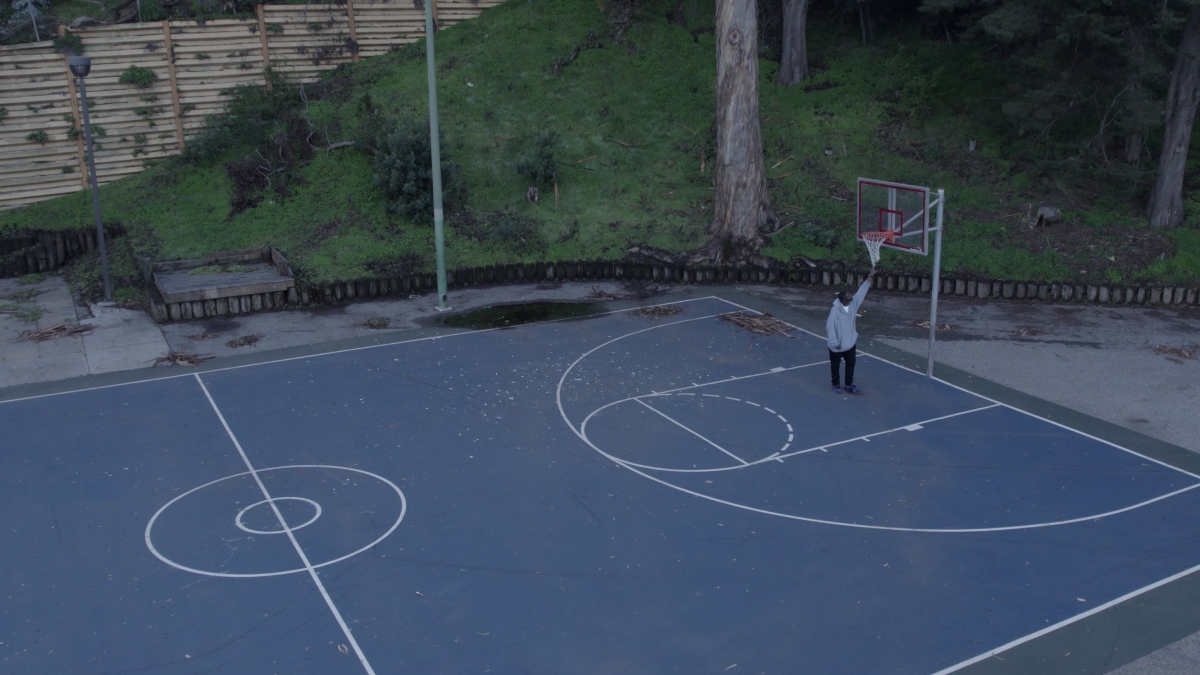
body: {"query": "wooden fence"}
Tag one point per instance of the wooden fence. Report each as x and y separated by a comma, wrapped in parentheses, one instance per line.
(41, 147)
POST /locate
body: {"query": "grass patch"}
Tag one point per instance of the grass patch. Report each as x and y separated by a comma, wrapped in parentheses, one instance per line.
(376, 323)
(31, 279)
(25, 295)
(26, 313)
(616, 132)
(228, 268)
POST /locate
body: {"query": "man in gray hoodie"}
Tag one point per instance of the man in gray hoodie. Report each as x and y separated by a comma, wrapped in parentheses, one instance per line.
(842, 336)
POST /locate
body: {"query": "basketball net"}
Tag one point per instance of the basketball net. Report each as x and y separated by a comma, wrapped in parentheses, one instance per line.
(874, 241)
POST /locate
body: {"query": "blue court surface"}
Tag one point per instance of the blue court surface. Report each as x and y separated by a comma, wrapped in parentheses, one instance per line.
(616, 494)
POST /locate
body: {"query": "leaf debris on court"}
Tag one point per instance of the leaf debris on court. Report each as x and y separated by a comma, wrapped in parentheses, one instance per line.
(182, 358)
(761, 324)
(658, 311)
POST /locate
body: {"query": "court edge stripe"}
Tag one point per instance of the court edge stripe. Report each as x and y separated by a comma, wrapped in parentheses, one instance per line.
(1006, 405)
(291, 535)
(1066, 622)
(340, 351)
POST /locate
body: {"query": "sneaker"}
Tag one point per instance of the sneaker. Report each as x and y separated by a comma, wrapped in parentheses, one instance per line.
(837, 389)
(851, 389)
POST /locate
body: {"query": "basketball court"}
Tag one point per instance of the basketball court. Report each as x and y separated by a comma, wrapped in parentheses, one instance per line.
(619, 493)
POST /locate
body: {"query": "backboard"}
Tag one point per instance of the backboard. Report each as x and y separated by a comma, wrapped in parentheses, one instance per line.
(884, 206)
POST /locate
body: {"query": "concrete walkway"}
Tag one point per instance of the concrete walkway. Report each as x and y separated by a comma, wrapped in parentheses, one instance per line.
(120, 339)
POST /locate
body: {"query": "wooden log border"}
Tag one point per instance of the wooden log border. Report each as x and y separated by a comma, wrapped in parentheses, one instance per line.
(41, 251)
(352, 290)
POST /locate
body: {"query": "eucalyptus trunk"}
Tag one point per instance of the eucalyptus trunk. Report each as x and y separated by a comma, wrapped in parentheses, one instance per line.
(742, 212)
(1166, 199)
(793, 68)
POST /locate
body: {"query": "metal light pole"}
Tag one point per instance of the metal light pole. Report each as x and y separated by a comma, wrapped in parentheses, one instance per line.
(937, 280)
(80, 67)
(436, 152)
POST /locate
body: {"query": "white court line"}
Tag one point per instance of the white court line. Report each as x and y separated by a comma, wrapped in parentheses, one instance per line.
(1066, 622)
(355, 349)
(579, 432)
(773, 371)
(907, 427)
(690, 431)
(1001, 403)
(291, 535)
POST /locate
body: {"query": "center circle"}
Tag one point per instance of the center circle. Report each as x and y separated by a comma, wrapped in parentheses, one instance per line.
(347, 530)
(288, 528)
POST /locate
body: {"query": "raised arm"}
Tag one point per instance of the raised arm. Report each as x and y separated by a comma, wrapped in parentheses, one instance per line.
(861, 293)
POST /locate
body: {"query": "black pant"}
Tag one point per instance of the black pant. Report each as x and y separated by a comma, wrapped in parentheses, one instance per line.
(835, 360)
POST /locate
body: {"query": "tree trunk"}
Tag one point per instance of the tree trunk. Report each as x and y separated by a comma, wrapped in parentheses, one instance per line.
(793, 68)
(1166, 200)
(742, 212)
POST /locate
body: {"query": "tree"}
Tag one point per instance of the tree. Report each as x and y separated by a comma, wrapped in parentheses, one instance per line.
(1166, 199)
(742, 212)
(31, 7)
(793, 68)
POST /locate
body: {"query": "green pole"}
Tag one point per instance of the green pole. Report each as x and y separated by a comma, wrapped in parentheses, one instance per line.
(436, 152)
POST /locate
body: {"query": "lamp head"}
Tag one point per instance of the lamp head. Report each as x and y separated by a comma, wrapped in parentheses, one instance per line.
(80, 65)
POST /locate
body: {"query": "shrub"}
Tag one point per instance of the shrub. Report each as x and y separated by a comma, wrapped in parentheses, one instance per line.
(538, 165)
(38, 136)
(70, 42)
(520, 233)
(253, 114)
(403, 170)
(142, 78)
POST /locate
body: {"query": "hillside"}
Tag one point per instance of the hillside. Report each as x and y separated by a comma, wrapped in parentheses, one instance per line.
(631, 107)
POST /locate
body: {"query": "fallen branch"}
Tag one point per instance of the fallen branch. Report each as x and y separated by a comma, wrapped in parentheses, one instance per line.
(1174, 351)
(783, 160)
(54, 332)
(658, 311)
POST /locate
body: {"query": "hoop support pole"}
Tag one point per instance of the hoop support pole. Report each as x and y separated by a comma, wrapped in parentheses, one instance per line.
(937, 281)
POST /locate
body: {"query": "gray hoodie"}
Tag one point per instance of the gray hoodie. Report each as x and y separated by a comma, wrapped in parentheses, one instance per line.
(840, 326)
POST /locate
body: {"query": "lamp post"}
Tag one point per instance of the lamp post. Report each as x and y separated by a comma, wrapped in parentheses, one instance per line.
(435, 151)
(80, 67)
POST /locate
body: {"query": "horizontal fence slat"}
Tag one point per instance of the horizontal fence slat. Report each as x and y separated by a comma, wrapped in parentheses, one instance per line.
(301, 41)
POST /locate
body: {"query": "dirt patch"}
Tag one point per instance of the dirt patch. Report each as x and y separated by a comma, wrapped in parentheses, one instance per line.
(1093, 251)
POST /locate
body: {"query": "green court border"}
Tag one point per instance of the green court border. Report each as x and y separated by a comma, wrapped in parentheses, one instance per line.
(1094, 645)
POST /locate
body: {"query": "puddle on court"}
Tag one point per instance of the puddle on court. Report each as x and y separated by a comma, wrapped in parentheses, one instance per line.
(503, 316)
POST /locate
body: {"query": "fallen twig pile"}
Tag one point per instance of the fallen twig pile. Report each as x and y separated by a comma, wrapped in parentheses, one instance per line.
(658, 311)
(182, 359)
(244, 341)
(942, 327)
(55, 331)
(762, 324)
(1179, 352)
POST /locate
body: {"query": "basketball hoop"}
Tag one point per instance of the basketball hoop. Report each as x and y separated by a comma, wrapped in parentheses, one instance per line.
(874, 241)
